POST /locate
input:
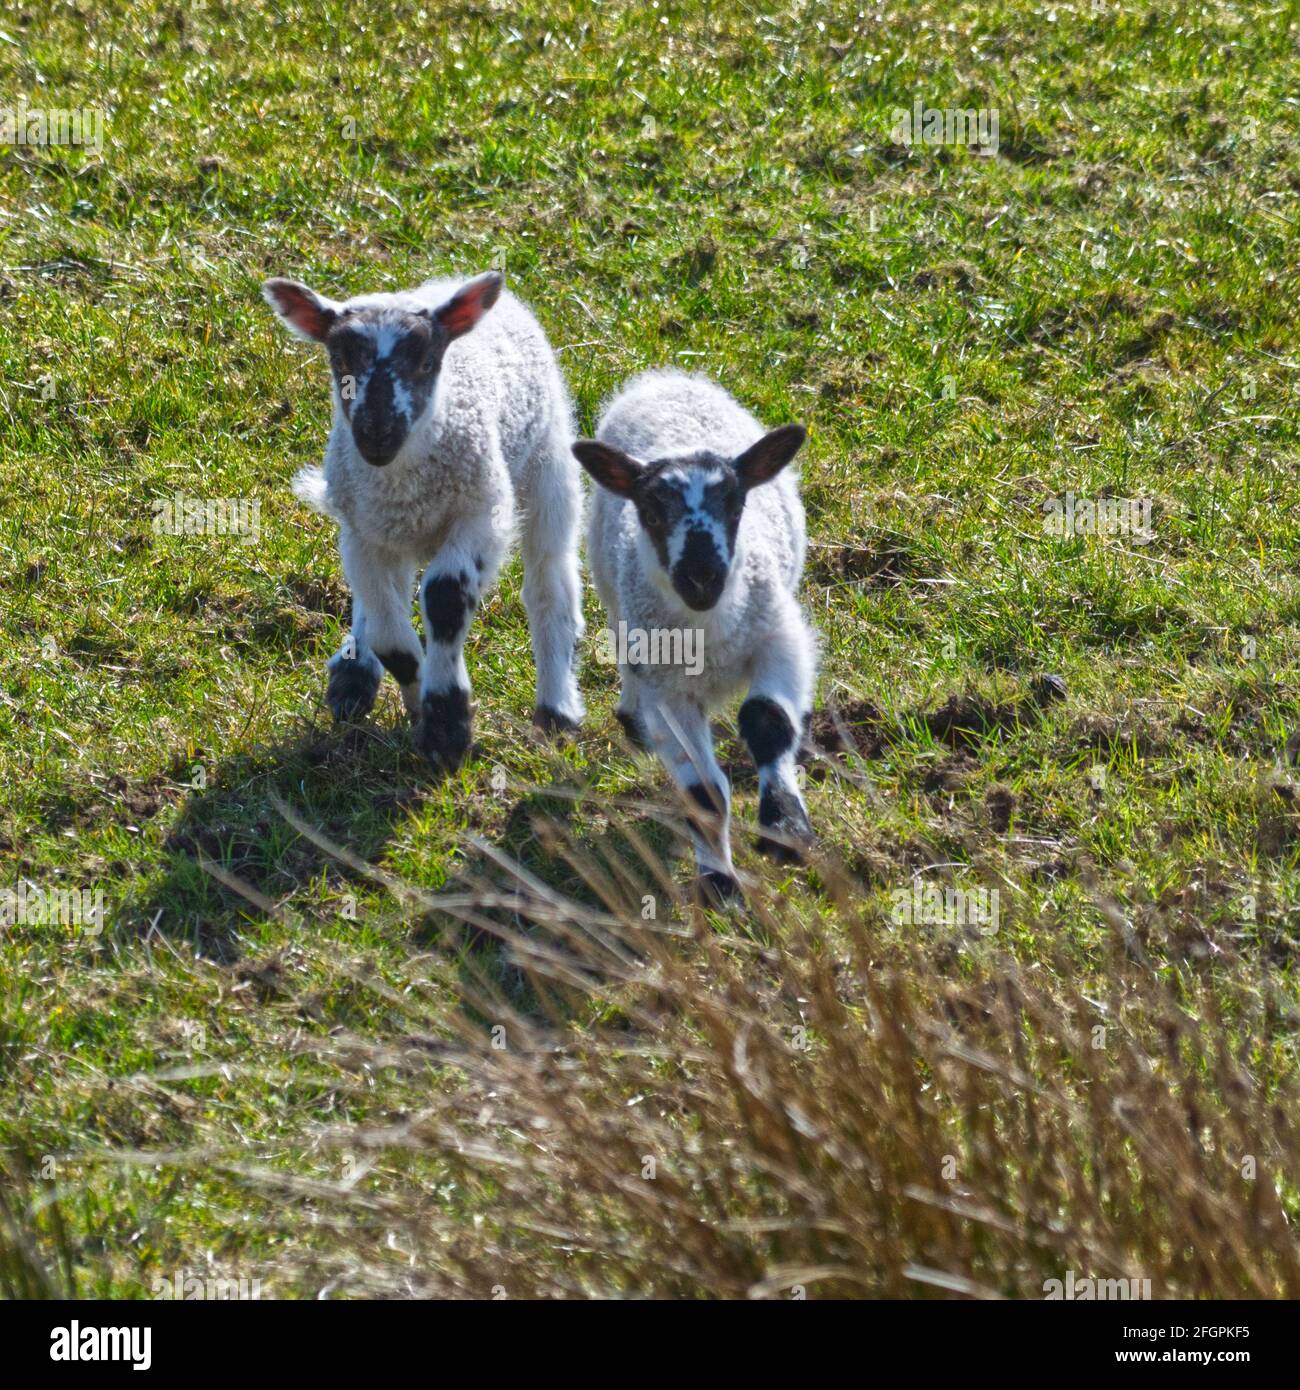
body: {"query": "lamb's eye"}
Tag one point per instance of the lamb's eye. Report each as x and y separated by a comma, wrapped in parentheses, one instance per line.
(652, 511)
(351, 352)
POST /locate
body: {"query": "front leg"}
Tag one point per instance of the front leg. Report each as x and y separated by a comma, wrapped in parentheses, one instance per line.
(381, 636)
(679, 733)
(777, 707)
(449, 594)
(628, 712)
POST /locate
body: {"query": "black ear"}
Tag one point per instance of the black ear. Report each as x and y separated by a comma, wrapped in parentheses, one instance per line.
(464, 309)
(761, 462)
(611, 468)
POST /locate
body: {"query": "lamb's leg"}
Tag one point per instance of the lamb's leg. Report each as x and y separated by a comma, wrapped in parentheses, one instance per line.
(381, 636)
(680, 735)
(628, 712)
(449, 593)
(552, 590)
(779, 702)
(630, 682)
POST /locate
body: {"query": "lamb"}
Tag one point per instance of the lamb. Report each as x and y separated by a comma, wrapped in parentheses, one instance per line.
(440, 436)
(697, 523)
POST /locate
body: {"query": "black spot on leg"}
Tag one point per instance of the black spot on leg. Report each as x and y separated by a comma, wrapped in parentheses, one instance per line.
(781, 812)
(766, 728)
(711, 800)
(632, 728)
(448, 602)
(402, 666)
(707, 798)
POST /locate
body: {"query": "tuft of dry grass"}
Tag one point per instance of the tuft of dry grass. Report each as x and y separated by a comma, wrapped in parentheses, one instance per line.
(675, 1109)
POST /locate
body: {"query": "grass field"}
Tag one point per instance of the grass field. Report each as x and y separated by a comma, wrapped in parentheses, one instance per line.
(276, 1061)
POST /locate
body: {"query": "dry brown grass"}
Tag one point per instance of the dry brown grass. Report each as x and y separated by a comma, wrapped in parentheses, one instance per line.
(801, 1112)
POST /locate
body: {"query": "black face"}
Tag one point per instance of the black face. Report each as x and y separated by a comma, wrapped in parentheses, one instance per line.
(690, 509)
(385, 366)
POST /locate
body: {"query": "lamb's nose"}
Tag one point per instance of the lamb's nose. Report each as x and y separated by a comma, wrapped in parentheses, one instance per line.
(377, 446)
(377, 454)
(700, 572)
(701, 588)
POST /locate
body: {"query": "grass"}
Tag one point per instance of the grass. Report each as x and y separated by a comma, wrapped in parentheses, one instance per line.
(277, 1054)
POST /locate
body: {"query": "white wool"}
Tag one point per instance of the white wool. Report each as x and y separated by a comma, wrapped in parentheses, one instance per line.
(756, 635)
(489, 457)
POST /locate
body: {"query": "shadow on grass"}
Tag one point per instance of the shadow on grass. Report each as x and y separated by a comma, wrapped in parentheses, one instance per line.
(562, 844)
(236, 871)
(232, 859)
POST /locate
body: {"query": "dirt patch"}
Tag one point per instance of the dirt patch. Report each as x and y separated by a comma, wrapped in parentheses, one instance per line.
(143, 800)
(950, 773)
(1001, 802)
(967, 719)
(853, 727)
(958, 274)
(320, 594)
(119, 799)
(268, 977)
(883, 565)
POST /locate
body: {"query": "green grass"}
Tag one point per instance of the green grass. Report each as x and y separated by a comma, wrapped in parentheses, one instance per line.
(1106, 307)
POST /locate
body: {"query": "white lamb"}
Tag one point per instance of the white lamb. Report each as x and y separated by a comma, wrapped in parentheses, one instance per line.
(696, 525)
(440, 436)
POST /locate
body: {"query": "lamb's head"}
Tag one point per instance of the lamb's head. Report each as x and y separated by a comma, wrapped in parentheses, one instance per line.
(385, 356)
(689, 506)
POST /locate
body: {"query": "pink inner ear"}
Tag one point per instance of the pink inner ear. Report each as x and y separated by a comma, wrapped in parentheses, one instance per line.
(465, 310)
(302, 310)
(461, 315)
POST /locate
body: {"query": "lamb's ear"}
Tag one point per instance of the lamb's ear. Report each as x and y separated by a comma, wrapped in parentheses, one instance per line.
(464, 309)
(611, 468)
(306, 313)
(761, 462)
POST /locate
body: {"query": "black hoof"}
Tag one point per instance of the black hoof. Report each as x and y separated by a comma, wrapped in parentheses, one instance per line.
(552, 723)
(715, 889)
(351, 691)
(442, 732)
(631, 728)
(783, 814)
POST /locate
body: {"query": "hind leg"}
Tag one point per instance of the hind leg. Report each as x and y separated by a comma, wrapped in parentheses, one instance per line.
(552, 589)
(628, 712)
(771, 720)
(679, 733)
